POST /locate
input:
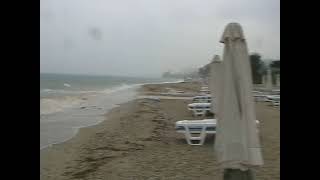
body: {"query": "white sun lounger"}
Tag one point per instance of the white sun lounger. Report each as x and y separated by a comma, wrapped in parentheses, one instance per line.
(202, 99)
(195, 131)
(259, 97)
(204, 88)
(276, 103)
(275, 92)
(199, 109)
(271, 98)
(204, 92)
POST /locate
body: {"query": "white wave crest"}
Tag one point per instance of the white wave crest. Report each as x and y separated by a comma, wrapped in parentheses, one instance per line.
(52, 105)
(67, 85)
(118, 88)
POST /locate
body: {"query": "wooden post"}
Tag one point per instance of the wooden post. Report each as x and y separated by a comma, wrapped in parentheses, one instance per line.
(237, 174)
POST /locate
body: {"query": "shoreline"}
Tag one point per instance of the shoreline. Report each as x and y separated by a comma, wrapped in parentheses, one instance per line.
(78, 129)
(137, 140)
(137, 91)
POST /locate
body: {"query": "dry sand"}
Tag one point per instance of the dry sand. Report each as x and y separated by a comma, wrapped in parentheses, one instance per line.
(138, 141)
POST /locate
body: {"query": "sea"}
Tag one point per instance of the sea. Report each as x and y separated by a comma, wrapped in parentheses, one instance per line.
(70, 102)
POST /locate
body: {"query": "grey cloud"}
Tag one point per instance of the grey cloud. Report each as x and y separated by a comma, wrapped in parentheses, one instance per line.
(144, 37)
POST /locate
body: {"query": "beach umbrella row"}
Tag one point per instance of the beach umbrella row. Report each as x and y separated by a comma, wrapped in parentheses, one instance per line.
(215, 81)
(237, 145)
(269, 80)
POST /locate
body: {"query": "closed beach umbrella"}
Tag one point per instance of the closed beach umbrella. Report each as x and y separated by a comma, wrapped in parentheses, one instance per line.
(237, 143)
(215, 78)
(269, 80)
(278, 80)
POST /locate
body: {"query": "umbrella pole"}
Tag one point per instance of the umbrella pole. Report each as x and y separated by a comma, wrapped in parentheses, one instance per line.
(237, 174)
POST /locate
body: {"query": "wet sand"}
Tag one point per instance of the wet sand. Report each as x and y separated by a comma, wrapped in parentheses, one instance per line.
(138, 141)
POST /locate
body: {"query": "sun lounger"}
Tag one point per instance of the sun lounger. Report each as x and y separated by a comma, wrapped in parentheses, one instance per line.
(276, 103)
(275, 92)
(204, 88)
(199, 109)
(204, 92)
(154, 98)
(196, 131)
(256, 92)
(271, 98)
(259, 97)
(202, 99)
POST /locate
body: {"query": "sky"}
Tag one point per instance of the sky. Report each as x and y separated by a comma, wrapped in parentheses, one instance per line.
(149, 37)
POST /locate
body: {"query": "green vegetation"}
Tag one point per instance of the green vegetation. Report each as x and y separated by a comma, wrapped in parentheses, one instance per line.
(258, 67)
(275, 67)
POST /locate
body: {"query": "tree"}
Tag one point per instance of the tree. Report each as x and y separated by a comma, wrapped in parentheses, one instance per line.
(204, 71)
(257, 67)
(166, 74)
(275, 67)
(275, 64)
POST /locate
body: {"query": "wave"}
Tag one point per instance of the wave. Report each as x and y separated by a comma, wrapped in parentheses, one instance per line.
(121, 87)
(166, 82)
(107, 90)
(47, 90)
(62, 91)
(52, 105)
(66, 85)
(49, 105)
(70, 99)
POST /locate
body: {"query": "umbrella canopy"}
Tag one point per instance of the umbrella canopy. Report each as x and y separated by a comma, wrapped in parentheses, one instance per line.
(263, 80)
(215, 78)
(278, 80)
(237, 143)
(269, 80)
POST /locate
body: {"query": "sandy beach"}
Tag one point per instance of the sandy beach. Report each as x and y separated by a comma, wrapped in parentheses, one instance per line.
(138, 141)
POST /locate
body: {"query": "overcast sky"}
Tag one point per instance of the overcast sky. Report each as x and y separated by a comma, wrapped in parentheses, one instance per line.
(148, 37)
